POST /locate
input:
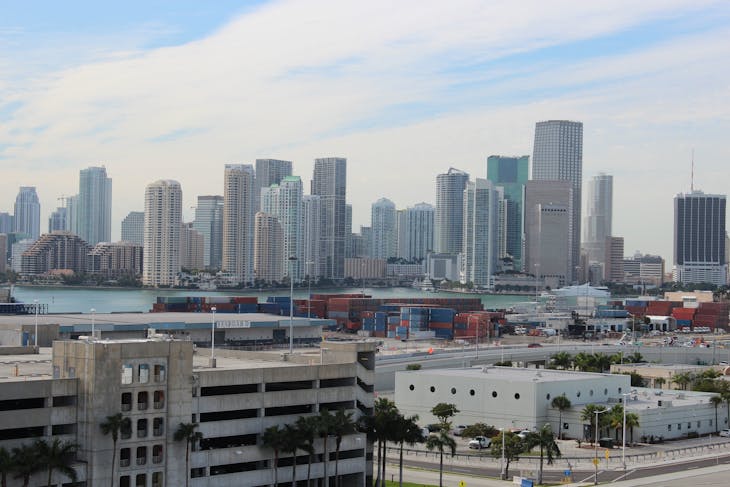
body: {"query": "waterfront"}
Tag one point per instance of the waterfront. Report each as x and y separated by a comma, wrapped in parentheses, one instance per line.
(109, 300)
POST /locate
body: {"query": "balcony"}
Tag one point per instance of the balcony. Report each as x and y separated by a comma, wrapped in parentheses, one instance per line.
(141, 460)
(124, 462)
(156, 458)
(142, 406)
(158, 431)
(159, 404)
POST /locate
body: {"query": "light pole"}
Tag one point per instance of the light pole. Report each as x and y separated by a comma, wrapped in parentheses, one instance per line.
(292, 259)
(212, 337)
(595, 445)
(35, 301)
(93, 313)
(623, 430)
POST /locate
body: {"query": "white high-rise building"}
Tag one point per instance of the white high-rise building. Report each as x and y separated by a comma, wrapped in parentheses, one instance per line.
(311, 235)
(192, 247)
(238, 229)
(416, 231)
(558, 156)
(162, 222)
(268, 245)
(133, 227)
(481, 217)
(268, 172)
(209, 223)
(598, 218)
(284, 201)
(383, 225)
(27, 217)
(449, 218)
(94, 211)
(329, 182)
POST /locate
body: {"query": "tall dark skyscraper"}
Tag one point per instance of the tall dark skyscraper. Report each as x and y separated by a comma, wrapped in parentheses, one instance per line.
(268, 172)
(449, 218)
(699, 238)
(511, 173)
(329, 182)
(558, 156)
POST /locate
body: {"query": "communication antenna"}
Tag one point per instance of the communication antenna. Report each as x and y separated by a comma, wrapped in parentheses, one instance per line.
(692, 178)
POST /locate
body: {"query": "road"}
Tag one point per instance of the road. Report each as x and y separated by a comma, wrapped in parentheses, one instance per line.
(553, 476)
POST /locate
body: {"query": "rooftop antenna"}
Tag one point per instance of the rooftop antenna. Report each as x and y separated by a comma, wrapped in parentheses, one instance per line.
(692, 179)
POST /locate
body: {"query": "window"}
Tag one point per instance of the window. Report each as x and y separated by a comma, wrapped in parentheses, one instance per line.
(159, 373)
(157, 454)
(494, 393)
(577, 394)
(157, 479)
(605, 392)
(158, 426)
(669, 427)
(590, 393)
(142, 400)
(124, 481)
(141, 455)
(689, 425)
(453, 390)
(517, 395)
(699, 423)
(433, 389)
(548, 396)
(127, 374)
(141, 480)
(619, 390)
(159, 397)
(144, 373)
(471, 392)
(679, 426)
(126, 401)
(411, 387)
(141, 428)
(124, 456)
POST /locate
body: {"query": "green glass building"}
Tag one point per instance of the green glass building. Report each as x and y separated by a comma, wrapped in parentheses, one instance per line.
(510, 173)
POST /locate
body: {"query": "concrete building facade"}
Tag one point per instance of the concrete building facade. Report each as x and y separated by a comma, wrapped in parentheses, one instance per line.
(162, 224)
(311, 231)
(268, 172)
(614, 259)
(383, 225)
(238, 214)
(94, 210)
(329, 182)
(116, 259)
(449, 217)
(133, 227)
(284, 201)
(192, 247)
(268, 248)
(480, 251)
(511, 174)
(599, 217)
(416, 231)
(57, 251)
(27, 212)
(209, 223)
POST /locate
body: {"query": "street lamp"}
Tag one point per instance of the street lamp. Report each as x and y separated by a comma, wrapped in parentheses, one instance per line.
(212, 337)
(595, 445)
(35, 301)
(292, 259)
(93, 313)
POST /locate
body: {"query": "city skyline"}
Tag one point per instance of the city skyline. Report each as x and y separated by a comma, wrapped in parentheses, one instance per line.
(427, 91)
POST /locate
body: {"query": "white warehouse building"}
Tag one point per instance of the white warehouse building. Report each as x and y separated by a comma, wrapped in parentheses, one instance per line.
(511, 397)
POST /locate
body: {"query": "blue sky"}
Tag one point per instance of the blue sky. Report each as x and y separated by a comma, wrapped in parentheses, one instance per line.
(404, 90)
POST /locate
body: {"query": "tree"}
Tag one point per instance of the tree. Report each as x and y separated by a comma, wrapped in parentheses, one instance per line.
(584, 362)
(406, 430)
(6, 466)
(561, 403)
(589, 414)
(637, 380)
(186, 432)
(682, 380)
(562, 360)
(342, 425)
(294, 443)
(276, 439)
(479, 429)
(635, 358)
(602, 362)
(57, 455)
(441, 441)
(513, 448)
(307, 432)
(25, 463)
(545, 439)
(379, 428)
(716, 401)
(413, 367)
(632, 421)
(325, 424)
(616, 418)
(112, 425)
(659, 382)
(443, 411)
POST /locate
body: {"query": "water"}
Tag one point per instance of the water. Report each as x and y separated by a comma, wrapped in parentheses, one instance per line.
(81, 300)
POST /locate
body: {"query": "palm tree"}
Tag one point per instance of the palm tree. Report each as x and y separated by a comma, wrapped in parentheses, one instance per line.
(406, 430)
(616, 418)
(561, 360)
(716, 400)
(294, 443)
(440, 442)
(6, 466)
(342, 425)
(584, 362)
(186, 432)
(276, 439)
(635, 358)
(379, 428)
(659, 382)
(632, 421)
(561, 403)
(545, 439)
(325, 423)
(602, 362)
(112, 426)
(26, 463)
(306, 425)
(589, 414)
(682, 380)
(57, 455)
(513, 447)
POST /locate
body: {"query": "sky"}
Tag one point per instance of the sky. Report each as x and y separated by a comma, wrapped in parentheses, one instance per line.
(404, 90)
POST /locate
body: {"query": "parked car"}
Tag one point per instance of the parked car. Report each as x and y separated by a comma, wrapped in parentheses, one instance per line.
(725, 433)
(458, 430)
(425, 433)
(480, 442)
(433, 427)
(523, 434)
(534, 345)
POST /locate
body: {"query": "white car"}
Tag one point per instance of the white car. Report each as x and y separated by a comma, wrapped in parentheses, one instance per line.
(725, 433)
(480, 442)
(458, 430)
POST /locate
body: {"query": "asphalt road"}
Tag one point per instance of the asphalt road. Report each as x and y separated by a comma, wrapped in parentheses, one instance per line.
(552, 476)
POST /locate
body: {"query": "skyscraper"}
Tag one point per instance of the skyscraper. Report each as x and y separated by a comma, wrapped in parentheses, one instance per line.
(6, 222)
(72, 214)
(133, 227)
(311, 233)
(94, 205)
(383, 224)
(238, 230)
(417, 233)
(511, 173)
(481, 203)
(598, 219)
(192, 247)
(558, 156)
(209, 223)
(57, 220)
(699, 238)
(284, 202)
(449, 218)
(329, 182)
(268, 249)
(268, 172)
(162, 222)
(27, 217)
(549, 231)
(613, 259)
